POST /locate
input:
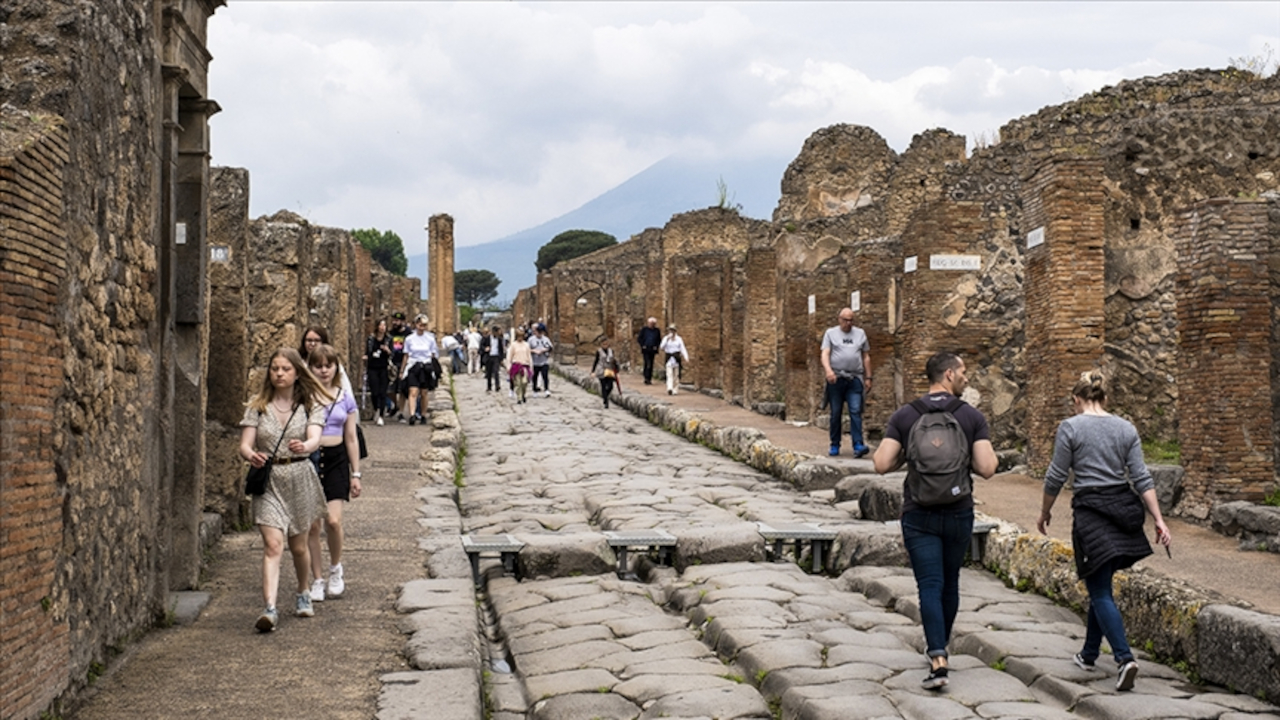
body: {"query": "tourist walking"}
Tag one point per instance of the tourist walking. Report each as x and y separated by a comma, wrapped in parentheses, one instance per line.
(941, 439)
(473, 350)
(605, 367)
(520, 362)
(377, 358)
(338, 464)
(287, 413)
(540, 347)
(420, 352)
(677, 355)
(846, 361)
(314, 337)
(1111, 492)
(493, 349)
(649, 339)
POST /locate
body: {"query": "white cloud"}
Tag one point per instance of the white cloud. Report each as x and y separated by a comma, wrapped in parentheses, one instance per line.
(507, 114)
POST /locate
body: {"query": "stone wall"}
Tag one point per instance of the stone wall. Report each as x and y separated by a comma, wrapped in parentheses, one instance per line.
(934, 243)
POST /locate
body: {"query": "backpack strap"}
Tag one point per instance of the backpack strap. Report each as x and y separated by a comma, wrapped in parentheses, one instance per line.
(920, 406)
(955, 404)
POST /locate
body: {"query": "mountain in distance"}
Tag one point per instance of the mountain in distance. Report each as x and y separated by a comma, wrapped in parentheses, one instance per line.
(648, 199)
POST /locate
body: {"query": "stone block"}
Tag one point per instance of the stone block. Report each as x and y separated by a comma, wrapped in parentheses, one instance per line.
(1240, 648)
(436, 695)
(869, 543)
(422, 594)
(812, 474)
(739, 542)
(605, 706)
(1168, 479)
(564, 555)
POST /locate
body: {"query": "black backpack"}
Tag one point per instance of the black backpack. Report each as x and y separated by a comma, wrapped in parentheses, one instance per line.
(938, 456)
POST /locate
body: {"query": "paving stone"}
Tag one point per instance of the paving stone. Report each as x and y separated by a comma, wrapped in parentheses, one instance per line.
(421, 594)
(934, 707)
(559, 637)
(186, 605)
(870, 543)
(993, 645)
(1061, 692)
(1132, 706)
(449, 646)
(688, 649)
(848, 636)
(1030, 669)
(438, 695)
(729, 640)
(737, 542)
(551, 611)
(561, 555)
(777, 682)
(505, 694)
(780, 654)
(565, 657)
(865, 620)
(589, 680)
(886, 590)
(675, 666)
(1248, 716)
(895, 660)
(969, 687)
(726, 703)
(585, 706)
(860, 707)
(849, 693)
(1022, 711)
(644, 688)
(748, 592)
(1244, 703)
(644, 641)
(625, 627)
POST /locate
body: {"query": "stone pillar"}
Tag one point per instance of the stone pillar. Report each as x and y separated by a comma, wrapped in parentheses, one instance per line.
(442, 307)
(1065, 288)
(697, 303)
(760, 326)
(227, 379)
(1224, 318)
(34, 639)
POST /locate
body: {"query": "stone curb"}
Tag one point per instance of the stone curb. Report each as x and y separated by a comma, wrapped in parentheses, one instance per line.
(445, 645)
(1178, 623)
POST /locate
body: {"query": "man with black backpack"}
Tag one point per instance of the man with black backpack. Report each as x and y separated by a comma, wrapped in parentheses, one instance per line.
(942, 440)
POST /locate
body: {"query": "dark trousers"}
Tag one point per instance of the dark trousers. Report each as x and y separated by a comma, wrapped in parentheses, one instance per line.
(543, 371)
(1104, 619)
(936, 542)
(491, 380)
(378, 386)
(606, 389)
(649, 355)
(846, 391)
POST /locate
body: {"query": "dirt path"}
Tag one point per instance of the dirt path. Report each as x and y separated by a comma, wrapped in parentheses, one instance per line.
(321, 667)
(1200, 556)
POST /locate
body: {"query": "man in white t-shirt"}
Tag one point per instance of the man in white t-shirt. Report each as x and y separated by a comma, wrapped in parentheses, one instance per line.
(846, 361)
(473, 351)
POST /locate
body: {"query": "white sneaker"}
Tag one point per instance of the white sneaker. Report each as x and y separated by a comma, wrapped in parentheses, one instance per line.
(378, 422)
(317, 590)
(546, 393)
(511, 393)
(336, 585)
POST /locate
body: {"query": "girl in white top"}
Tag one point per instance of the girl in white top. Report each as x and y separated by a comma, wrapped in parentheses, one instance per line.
(677, 355)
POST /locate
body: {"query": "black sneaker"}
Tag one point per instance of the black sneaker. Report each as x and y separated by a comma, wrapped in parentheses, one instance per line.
(1127, 675)
(1083, 664)
(935, 680)
(413, 420)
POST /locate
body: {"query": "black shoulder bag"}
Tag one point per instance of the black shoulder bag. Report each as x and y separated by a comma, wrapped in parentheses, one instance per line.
(255, 483)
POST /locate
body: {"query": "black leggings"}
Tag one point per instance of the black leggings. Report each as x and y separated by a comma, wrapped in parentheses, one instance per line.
(378, 386)
(544, 372)
(606, 389)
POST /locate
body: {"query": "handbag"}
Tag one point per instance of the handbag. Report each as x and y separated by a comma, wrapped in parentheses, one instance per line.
(255, 483)
(364, 449)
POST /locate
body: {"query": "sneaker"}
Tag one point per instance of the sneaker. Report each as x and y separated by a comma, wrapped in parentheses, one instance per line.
(304, 608)
(1083, 664)
(935, 680)
(511, 393)
(317, 590)
(422, 420)
(1128, 674)
(267, 620)
(861, 452)
(413, 420)
(402, 420)
(378, 422)
(546, 393)
(336, 584)
(834, 451)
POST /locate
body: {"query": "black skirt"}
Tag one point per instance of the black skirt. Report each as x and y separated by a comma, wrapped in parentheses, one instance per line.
(335, 472)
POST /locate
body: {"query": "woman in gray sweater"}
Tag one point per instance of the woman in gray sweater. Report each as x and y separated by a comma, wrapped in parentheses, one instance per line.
(1112, 487)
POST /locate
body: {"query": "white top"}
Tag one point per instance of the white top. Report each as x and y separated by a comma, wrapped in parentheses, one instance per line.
(420, 348)
(473, 340)
(674, 345)
(449, 342)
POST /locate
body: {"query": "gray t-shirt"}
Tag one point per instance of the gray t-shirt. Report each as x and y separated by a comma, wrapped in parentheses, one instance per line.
(846, 350)
(1103, 450)
(538, 342)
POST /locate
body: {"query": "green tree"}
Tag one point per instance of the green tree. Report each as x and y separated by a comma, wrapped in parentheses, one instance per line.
(475, 287)
(386, 247)
(571, 244)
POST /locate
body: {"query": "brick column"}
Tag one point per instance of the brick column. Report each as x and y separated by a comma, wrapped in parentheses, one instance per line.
(443, 310)
(33, 266)
(760, 326)
(1224, 317)
(1065, 292)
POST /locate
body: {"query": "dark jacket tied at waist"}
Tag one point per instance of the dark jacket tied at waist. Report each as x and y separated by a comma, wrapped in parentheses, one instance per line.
(1108, 527)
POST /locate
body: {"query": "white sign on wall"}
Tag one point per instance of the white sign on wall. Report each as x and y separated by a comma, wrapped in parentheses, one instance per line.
(909, 265)
(813, 304)
(180, 237)
(219, 253)
(955, 262)
(1035, 237)
(855, 300)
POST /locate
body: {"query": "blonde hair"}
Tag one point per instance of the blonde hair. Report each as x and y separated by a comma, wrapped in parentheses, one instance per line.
(307, 390)
(1091, 387)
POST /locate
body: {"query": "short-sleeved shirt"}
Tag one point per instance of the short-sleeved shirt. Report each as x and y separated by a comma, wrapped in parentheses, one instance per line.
(846, 350)
(540, 342)
(337, 414)
(971, 421)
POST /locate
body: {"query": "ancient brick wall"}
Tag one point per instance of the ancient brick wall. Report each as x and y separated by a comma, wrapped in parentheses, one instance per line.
(1064, 287)
(1224, 313)
(34, 633)
(760, 344)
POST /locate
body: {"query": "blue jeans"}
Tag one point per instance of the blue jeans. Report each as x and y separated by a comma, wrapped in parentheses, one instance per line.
(937, 542)
(846, 391)
(1104, 619)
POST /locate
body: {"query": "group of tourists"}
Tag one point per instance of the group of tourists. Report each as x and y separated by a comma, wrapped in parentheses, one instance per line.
(944, 441)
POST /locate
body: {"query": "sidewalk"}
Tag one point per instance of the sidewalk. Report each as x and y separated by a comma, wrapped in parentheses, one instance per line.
(1201, 557)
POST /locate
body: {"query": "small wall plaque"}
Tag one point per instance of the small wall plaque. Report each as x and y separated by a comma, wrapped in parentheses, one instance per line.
(219, 253)
(180, 237)
(813, 304)
(909, 265)
(1035, 237)
(955, 262)
(855, 300)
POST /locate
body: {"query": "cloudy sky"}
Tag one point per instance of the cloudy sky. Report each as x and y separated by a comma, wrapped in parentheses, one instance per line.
(507, 114)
